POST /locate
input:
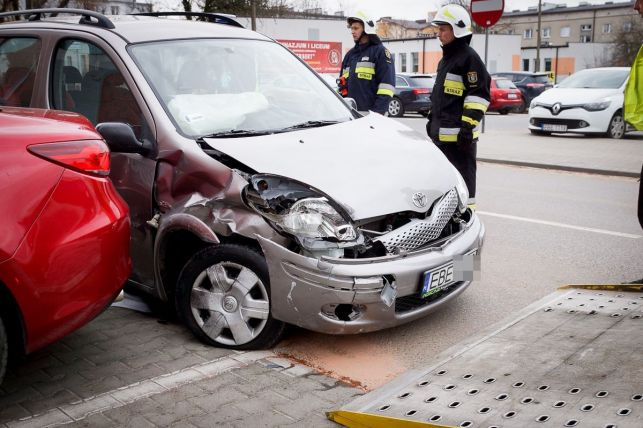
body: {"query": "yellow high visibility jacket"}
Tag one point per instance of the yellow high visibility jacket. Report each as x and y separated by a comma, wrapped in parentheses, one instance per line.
(634, 93)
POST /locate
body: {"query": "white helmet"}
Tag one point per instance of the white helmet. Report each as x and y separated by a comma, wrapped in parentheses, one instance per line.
(457, 17)
(362, 17)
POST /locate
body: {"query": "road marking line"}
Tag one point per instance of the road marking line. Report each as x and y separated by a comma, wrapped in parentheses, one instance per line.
(556, 224)
(74, 412)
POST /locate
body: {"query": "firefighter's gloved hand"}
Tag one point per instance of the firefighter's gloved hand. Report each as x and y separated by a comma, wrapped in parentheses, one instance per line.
(465, 137)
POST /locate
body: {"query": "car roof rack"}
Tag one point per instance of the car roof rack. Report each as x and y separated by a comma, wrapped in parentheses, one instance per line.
(217, 18)
(99, 20)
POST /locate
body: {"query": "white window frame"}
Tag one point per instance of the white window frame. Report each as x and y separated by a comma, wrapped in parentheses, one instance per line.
(585, 38)
(528, 33)
(607, 28)
(566, 31)
(586, 27)
(627, 26)
(547, 33)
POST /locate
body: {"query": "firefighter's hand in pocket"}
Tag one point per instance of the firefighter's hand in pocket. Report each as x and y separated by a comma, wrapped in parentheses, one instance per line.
(465, 137)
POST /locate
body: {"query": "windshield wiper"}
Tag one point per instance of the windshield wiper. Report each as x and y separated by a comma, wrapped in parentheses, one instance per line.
(233, 133)
(310, 124)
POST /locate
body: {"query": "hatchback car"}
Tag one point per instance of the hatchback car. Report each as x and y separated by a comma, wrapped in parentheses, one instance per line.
(505, 97)
(255, 200)
(530, 84)
(587, 102)
(412, 94)
(64, 249)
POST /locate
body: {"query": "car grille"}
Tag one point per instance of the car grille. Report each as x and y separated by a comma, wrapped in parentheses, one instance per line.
(418, 232)
(571, 123)
(415, 301)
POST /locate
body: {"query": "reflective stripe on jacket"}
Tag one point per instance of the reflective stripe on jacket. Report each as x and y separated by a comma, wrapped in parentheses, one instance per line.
(633, 110)
(370, 75)
(461, 94)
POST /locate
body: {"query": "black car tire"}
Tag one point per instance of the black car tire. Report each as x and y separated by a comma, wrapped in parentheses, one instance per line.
(395, 107)
(539, 132)
(504, 111)
(4, 350)
(234, 314)
(522, 108)
(616, 127)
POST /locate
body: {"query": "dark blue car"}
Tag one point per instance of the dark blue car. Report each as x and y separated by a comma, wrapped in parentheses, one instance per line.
(412, 94)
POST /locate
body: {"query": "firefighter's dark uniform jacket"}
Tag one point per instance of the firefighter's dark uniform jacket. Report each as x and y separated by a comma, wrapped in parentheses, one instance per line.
(461, 93)
(370, 75)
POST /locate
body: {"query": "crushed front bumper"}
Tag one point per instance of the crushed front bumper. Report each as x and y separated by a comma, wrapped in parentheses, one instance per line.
(304, 291)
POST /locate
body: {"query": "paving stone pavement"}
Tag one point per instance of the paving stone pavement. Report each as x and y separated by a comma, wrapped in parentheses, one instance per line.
(127, 368)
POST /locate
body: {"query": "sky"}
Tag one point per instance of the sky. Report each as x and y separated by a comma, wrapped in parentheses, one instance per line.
(418, 9)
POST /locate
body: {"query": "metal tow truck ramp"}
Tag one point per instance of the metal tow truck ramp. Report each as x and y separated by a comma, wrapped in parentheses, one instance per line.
(573, 359)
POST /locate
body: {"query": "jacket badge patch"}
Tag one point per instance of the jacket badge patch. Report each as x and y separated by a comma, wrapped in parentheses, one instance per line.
(364, 58)
(472, 77)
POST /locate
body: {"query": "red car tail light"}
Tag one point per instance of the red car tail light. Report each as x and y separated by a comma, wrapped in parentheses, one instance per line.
(421, 91)
(88, 156)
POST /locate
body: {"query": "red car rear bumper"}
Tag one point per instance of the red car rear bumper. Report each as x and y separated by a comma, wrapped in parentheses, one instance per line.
(73, 261)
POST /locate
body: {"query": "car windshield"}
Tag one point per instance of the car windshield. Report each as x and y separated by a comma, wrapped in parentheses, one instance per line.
(235, 87)
(425, 82)
(596, 79)
(505, 84)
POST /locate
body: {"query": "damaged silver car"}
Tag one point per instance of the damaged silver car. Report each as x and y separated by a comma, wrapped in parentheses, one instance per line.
(258, 197)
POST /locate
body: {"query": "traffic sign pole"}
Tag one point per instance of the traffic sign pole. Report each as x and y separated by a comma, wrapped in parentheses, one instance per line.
(486, 13)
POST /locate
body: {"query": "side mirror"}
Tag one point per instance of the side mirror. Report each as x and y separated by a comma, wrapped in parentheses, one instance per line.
(120, 138)
(351, 103)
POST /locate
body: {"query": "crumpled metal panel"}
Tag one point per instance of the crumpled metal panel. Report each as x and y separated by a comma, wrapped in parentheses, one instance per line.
(418, 232)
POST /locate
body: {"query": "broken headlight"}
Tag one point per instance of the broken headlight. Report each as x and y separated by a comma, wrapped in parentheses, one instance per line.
(463, 192)
(297, 209)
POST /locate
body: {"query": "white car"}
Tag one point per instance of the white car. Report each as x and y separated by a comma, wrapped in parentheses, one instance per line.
(587, 102)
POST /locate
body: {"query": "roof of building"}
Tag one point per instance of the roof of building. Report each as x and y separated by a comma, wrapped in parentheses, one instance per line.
(411, 25)
(552, 9)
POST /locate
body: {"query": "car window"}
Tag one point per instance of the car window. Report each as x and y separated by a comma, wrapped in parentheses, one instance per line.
(18, 63)
(505, 84)
(596, 79)
(400, 82)
(541, 79)
(86, 81)
(425, 82)
(210, 86)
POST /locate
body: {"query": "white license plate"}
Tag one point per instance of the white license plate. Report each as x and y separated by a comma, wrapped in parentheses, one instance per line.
(437, 279)
(512, 96)
(554, 128)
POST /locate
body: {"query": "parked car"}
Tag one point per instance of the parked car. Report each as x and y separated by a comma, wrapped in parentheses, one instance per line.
(257, 196)
(530, 84)
(587, 102)
(64, 250)
(412, 94)
(505, 97)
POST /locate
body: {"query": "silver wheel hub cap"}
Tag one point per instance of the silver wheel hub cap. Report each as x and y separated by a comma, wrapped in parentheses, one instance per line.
(230, 303)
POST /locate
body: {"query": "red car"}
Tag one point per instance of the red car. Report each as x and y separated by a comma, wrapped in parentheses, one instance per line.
(64, 246)
(505, 96)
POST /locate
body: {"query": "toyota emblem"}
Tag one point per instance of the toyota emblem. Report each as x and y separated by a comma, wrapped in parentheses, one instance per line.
(419, 200)
(555, 109)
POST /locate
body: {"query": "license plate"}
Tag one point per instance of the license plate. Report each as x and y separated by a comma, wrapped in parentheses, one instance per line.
(437, 279)
(512, 96)
(554, 128)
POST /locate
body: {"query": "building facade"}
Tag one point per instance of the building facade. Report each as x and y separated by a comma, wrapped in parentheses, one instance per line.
(388, 28)
(109, 7)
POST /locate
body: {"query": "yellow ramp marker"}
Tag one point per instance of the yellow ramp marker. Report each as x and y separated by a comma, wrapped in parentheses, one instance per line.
(368, 420)
(605, 287)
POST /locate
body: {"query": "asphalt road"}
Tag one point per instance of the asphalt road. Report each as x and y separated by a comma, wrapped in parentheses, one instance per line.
(545, 229)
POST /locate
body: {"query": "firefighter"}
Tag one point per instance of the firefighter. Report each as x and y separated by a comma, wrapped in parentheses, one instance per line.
(460, 96)
(367, 74)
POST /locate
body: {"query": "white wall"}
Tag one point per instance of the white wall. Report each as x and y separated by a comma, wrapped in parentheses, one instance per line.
(327, 30)
(502, 48)
(586, 55)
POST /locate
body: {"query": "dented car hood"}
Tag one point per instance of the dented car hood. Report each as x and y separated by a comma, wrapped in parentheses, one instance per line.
(372, 166)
